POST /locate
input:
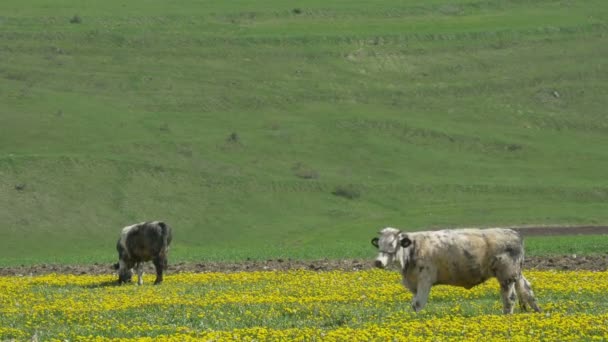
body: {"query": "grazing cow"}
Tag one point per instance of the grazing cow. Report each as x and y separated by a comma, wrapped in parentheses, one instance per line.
(459, 257)
(139, 243)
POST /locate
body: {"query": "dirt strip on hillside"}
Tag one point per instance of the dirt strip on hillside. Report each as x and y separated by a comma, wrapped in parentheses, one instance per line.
(563, 262)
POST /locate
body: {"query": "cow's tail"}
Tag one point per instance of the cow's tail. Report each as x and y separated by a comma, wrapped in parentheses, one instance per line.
(522, 285)
(165, 232)
(522, 254)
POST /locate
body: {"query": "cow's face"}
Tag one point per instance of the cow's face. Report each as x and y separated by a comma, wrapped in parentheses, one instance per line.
(388, 244)
(124, 272)
(124, 276)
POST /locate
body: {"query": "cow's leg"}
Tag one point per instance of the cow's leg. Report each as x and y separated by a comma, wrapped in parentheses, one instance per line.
(160, 263)
(525, 293)
(506, 269)
(507, 292)
(421, 295)
(139, 267)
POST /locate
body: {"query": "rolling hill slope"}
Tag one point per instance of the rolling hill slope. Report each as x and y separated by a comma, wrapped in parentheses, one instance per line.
(267, 130)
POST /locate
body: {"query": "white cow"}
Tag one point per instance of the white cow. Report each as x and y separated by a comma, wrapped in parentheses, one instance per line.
(459, 257)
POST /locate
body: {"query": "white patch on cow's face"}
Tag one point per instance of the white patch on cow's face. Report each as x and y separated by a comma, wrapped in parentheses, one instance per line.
(383, 260)
(388, 245)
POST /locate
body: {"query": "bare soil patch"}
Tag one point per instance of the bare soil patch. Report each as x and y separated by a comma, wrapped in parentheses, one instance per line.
(562, 230)
(564, 262)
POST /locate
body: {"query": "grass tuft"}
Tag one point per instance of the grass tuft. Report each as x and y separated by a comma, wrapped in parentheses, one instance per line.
(349, 191)
(302, 171)
(75, 19)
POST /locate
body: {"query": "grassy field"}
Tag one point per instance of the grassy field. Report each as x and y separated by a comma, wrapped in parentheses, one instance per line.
(266, 129)
(295, 306)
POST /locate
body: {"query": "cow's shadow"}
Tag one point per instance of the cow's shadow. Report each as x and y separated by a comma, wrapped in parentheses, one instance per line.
(106, 283)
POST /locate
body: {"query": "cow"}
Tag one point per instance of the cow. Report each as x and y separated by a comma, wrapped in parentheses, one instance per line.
(139, 243)
(458, 257)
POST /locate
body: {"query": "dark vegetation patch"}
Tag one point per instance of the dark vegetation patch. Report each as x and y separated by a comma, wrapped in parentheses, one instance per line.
(75, 19)
(349, 191)
(232, 142)
(233, 138)
(164, 128)
(303, 171)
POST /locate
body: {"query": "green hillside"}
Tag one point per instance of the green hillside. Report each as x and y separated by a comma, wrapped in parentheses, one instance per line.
(266, 129)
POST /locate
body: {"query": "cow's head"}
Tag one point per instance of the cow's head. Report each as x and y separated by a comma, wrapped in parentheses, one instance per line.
(388, 244)
(124, 272)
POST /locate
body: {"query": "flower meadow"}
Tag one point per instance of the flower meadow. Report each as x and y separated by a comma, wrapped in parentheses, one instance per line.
(297, 305)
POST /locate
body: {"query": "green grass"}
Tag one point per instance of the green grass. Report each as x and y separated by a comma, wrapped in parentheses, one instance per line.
(437, 113)
(570, 245)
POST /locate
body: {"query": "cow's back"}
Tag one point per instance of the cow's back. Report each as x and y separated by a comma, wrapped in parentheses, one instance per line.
(146, 241)
(466, 257)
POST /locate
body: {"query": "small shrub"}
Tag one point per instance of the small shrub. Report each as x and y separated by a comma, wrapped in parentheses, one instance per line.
(296, 11)
(514, 147)
(233, 138)
(164, 127)
(75, 19)
(232, 143)
(349, 191)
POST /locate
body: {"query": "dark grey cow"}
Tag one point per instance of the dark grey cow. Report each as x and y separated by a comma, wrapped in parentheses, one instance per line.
(139, 243)
(459, 257)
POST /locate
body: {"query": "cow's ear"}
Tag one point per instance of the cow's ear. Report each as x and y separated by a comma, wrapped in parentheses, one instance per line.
(375, 242)
(405, 242)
